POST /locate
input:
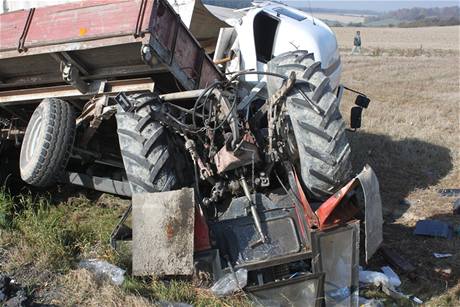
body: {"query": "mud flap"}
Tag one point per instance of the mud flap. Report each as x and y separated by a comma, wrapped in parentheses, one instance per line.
(163, 231)
(373, 210)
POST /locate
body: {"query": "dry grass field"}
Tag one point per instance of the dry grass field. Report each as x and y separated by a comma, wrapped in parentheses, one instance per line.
(343, 18)
(431, 38)
(411, 137)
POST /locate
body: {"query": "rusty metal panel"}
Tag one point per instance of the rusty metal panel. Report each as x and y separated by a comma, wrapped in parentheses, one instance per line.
(67, 91)
(82, 21)
(373, 210)
(164, 26)
(209, 73)
(189, 59)
(163, 230)
(175, 45)
(103, 35)
(11, 26)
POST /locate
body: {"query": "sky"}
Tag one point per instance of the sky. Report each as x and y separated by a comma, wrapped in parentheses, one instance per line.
(379, 6)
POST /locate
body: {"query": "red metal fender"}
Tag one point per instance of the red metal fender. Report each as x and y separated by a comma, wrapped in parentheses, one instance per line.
(201, 235)
(337, 210)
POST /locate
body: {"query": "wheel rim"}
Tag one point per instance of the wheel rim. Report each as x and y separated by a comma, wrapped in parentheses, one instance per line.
(34, 137)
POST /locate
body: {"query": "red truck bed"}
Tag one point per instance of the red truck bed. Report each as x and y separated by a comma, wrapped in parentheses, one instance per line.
(103, 39)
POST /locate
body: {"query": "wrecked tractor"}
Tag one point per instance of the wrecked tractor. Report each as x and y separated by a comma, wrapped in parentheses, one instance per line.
(238, 166)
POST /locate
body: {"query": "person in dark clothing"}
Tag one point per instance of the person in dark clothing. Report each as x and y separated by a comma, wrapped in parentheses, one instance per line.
(357, 43)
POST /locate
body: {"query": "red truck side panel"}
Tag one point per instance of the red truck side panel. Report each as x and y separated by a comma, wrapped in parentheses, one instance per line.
(88, 29)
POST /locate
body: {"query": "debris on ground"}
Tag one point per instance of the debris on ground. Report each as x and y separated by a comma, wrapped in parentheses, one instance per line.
(364, 302)
(230, 283)
(433, 228)
(392, 276)
(375, 278)
(405, 202)
(456, 206)
(449, 192)
(439, 255)
(382, 281)
(103, 269)
(444, 273)
(11, 294)
(397, 260)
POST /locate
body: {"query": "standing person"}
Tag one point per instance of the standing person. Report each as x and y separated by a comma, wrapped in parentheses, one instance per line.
(357, 43)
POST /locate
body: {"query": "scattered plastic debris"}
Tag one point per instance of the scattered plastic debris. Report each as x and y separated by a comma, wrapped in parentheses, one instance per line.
(392, 276)
(104, 269)
(433, 228)
(449, 192)
(375, 278)
(230, 283)
(364, 302)
(445, 273)
(388, 284)
(416, 300)
(438, 255)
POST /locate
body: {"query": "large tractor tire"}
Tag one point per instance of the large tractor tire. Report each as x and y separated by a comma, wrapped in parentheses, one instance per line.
(47, 143)
(322, 150)
(150, 156)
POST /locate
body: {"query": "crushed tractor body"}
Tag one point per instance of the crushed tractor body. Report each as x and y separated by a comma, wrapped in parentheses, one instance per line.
(239, 164)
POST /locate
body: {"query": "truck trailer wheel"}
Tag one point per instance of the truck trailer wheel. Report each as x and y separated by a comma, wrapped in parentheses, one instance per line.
(323, 150)
(149, 154)
(47, 143)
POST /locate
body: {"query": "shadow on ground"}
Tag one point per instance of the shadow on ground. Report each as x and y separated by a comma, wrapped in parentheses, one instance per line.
(401, 166)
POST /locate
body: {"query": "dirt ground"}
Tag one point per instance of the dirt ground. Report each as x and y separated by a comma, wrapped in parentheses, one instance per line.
(411, 137)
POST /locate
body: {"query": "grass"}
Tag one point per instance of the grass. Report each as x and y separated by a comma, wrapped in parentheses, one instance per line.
(55, 236)
(42, 242)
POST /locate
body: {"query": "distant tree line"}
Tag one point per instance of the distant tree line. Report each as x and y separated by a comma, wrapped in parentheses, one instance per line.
(235, 4)
(421, 17)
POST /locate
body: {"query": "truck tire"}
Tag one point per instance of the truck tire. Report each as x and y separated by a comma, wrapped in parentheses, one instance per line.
(323, 151)
(47, 143)
(150, 156)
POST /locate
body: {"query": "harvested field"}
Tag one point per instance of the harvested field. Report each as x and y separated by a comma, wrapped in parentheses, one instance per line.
(411, 137)
(343, 18)
(442, 38)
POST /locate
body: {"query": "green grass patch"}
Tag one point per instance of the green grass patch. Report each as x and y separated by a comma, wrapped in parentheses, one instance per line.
(179, 291)
(7, 209)
(55, 236)
(40, 235)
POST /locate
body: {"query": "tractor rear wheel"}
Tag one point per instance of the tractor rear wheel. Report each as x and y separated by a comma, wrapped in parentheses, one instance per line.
(151, 158)
(322, 151)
